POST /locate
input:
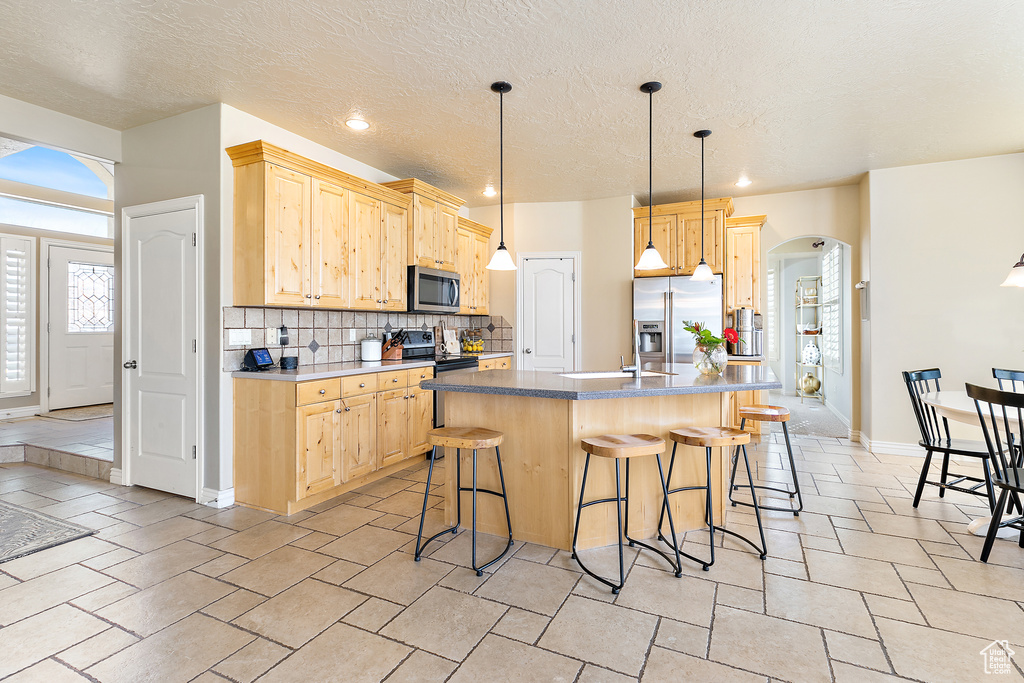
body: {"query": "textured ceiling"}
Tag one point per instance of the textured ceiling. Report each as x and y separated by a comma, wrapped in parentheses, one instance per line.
(799, 94)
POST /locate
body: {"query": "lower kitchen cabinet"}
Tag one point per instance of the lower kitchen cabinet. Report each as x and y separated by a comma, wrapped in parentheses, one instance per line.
(301, 443)
(502, 363)
(738, 399)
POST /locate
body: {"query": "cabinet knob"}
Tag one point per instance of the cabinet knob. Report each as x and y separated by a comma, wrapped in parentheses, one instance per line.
(323, 391)
(339, 410)
(309, 296)
(317, 296)
(362, 384)
(395, 380)
(347, 409)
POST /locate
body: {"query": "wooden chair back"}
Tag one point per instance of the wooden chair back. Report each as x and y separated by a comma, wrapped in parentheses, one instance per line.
(1002, 421)
(933, 428)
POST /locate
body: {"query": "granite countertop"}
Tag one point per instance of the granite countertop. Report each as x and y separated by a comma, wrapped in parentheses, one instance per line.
(685, 380)
(329, 370)
(749, 359)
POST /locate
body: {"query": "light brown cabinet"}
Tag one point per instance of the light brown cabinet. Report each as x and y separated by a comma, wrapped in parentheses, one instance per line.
(502, 363)
(359, 435)
(473, 240)
(320, 466)
(677, 235)
(432, 222)
(306, 234)
(743, 259)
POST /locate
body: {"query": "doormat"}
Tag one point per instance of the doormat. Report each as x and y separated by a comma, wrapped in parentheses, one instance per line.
(24, 531)
(83, 413)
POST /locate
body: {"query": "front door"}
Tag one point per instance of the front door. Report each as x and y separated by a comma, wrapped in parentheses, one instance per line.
(161, 293)
(81, 322)
(547, 332)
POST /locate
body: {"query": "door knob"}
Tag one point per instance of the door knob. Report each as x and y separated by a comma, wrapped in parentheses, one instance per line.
(527, 350)
(131, 365)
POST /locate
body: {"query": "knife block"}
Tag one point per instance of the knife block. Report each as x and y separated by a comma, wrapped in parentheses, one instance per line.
(393, 353)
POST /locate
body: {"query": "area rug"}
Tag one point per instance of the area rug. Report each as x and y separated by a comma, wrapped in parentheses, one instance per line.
(83, 413)
(24, 531)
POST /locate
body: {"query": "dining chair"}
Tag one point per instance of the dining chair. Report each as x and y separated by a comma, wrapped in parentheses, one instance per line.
(935, 439)
(1002, 421)
(1009, 380)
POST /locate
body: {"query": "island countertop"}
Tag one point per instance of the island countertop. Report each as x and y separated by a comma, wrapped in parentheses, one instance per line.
(683, 379)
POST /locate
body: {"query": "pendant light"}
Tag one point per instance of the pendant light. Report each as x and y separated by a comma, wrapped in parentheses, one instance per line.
(502, 260)
(1016, 276)
(702, 273)
(650, 259)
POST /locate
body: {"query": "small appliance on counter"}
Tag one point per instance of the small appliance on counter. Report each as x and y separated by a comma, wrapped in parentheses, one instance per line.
(369, 349)
(289, 362)
(750, 334)
(257, 359)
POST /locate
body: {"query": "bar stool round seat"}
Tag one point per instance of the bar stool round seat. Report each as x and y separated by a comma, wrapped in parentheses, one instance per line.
(621, 447)
(709, 437)
(764, 413)
(475, 438)
(767, 413)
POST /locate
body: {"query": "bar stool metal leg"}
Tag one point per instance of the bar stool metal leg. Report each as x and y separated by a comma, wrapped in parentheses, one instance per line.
(579, 513)
(762, 551)
(480, 569)
(733, 486)
(674, 543)
(426, 494)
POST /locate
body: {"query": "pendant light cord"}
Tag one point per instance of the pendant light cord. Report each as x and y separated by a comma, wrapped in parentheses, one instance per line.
(501, 166)
(702, 200)
(650, 172)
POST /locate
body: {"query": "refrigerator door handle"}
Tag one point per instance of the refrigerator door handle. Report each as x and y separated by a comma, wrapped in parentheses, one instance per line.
(670, 328)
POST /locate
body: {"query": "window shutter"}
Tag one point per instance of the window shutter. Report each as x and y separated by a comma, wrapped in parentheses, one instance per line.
(831, 327)
(17, 312)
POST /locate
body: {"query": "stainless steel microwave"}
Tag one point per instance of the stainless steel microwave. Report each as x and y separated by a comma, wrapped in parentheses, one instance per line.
(433, 291)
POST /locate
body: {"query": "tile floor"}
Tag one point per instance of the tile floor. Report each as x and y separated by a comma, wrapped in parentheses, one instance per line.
(91, 438)
(858, 588)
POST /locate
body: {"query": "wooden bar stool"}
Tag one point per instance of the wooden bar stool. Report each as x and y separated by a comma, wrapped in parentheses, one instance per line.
(766, 413)
(708, 438)
(621, 447)
(459, 438)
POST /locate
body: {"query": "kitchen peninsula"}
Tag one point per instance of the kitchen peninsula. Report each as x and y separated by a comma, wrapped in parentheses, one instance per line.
(543, 417)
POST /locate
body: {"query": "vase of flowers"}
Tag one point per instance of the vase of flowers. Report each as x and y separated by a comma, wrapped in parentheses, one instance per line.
(709, 355)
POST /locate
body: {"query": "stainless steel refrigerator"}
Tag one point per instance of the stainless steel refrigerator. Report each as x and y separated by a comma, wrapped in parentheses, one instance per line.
(661, 304)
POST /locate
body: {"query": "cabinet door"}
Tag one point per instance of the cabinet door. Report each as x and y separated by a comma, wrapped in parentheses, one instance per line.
(689, 241)
(329, 246)
(424, 232)
(392, 427)
(319, 456)
(287, 236)
(444, 245)
(364, 229)
(481, 276)
(743, 254)
(421, 419)
(359, 435)
(394, 233)
(464, 261)
(663, 236)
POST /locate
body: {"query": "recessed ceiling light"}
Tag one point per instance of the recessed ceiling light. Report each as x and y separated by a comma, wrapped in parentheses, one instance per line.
(489, 191)
(357, 124)
(743, 182)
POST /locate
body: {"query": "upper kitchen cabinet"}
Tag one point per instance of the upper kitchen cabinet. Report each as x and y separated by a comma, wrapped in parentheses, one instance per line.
(743, 258)
(677, 235)
(433, 221)
(306, 234)
(471, 255)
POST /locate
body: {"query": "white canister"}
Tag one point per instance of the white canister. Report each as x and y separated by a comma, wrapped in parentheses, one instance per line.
(370, 349)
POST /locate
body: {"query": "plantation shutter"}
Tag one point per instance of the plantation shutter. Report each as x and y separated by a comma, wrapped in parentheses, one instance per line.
(831, 328)
(16, 315)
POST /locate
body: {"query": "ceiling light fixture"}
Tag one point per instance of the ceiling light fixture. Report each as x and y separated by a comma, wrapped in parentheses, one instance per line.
(357, 124)
(502, 260)
(1016, 276)
(743, 181)
(489, 191)
(702, 272)
(650, 259)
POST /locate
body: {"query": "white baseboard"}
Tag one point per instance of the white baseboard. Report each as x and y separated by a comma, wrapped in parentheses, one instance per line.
(892, 447)
(115, 476)
(218, 499)
(856, 436)
(27, 411)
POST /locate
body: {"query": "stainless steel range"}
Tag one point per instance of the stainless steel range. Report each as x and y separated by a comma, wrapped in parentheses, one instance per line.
(420, 346)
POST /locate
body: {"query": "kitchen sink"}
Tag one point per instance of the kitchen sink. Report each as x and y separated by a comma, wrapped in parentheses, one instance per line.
(614, 374)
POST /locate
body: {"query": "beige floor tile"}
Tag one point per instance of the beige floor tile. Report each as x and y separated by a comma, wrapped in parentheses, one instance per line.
(176, 654)
(681, 637)
(794, 570)
(373, 614)
(936, 549)
(855, 524)
(233, 605)
(422, 667)
(300, 613)
(37, 637)
(162, 533)
(907, 527)
(459, 550)
(983, 579)
(405, 503)
(656, 591)
(392, 522)
(464, 580)
(528, 585)
(850, 492)
(150, 610)
(46, 591)
(278, 570)
(972, 615)
(341, 519)
(79, 506)
(858, 651)
(221, 565)
(97, 648)
(740, 598)
(445, 623)
(928, 654)
(152, 568)
(252, 661)
(51, 559)
(339, 572)
(211, 535)
(607, 635)
(666, 665)
(101, 562)
(751, 641)
(818, 605)
(534, 553)
(818, 543)
(341, 653)
(239, 518)
(388, 486)
(366, 545)
(260, 539)
(115, 530)
(101, 597)
(856, 573)
(521, 625)
(6, 581)
(398, 578)
(158, 511)
(928, 577)
(882, 547)
(313, 541)
(498, 658)
(47, 671)
(845, 673)
(901, 610)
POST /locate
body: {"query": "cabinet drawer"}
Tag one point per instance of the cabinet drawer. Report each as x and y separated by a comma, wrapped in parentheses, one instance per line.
(392, 380)
(417, 375)
(314, 392)
(358, 384)
(502, 363)
(489, 364)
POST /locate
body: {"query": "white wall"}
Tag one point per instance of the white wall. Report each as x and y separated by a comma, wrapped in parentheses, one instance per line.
(942, 238)
(30, 123)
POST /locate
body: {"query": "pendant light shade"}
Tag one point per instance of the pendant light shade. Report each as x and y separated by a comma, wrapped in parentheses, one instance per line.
(1016, 276)
(502, 260)
(702, 272)
(650, 259)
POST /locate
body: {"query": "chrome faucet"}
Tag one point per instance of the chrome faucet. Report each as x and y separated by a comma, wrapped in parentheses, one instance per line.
(635, 367)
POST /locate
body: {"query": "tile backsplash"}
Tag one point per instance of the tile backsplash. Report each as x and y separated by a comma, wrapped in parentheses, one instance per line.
(334, 336)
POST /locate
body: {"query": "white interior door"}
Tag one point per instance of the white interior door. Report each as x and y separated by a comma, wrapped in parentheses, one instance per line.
(81, 326)
(161, 293)
(547, 314)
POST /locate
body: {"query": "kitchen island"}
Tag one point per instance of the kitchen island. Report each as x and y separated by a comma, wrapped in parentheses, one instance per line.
(544, 415)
